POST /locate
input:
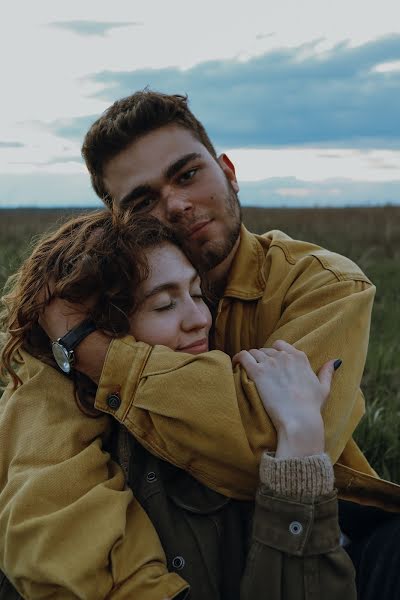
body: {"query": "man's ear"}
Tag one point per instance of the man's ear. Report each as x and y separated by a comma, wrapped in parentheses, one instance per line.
(229, 169)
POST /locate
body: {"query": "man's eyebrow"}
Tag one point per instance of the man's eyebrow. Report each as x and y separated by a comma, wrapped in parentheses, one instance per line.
(170, 171)
(137, 192)
(176, 166)
(168, 285)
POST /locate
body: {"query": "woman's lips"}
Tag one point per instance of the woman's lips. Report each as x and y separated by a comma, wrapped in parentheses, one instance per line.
(196, 347)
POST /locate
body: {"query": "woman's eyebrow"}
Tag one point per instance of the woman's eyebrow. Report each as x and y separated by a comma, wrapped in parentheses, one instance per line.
(168, 285)
(169, 172)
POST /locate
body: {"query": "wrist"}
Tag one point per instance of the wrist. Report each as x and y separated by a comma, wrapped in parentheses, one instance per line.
(302, 437)
(91, 353)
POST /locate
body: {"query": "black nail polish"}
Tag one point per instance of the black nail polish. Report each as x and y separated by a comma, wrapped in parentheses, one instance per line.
(337, 364)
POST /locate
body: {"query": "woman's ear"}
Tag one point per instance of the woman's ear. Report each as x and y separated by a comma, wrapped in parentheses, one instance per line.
(229, 169)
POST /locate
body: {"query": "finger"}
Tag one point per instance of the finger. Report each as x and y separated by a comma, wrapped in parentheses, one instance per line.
(243, 358)
(325, 375)
(271, 352)
(282, 345)
(259, 355)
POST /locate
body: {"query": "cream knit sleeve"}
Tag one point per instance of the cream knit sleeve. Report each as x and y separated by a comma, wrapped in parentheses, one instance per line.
(301, 479)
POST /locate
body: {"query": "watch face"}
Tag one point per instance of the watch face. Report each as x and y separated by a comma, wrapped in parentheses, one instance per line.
(62, 357)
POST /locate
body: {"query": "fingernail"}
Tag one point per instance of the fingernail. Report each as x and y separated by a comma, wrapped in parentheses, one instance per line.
(337, 364)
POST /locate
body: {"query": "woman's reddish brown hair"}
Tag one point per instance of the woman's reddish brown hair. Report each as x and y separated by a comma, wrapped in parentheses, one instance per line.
(98, 256)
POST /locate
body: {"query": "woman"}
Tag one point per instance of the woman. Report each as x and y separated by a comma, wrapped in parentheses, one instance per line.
(82, 540)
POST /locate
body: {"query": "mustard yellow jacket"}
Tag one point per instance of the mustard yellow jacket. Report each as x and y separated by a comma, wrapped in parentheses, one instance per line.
(189, 410)
(193, 412)
(70, 529)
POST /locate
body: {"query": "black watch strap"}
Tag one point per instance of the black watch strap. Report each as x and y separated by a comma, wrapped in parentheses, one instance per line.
(78, 333)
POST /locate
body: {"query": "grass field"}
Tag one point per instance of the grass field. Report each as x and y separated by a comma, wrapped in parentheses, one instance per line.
(369, 236)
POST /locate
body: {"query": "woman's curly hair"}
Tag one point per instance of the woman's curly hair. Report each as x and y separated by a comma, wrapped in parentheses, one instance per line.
(98, 256)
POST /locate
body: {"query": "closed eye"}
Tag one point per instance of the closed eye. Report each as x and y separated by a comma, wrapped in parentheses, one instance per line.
(169, 306)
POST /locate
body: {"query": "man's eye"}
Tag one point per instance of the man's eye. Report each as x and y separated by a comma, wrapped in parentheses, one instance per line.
(188, 175)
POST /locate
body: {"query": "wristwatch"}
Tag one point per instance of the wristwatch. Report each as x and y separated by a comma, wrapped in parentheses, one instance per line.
(63, 348)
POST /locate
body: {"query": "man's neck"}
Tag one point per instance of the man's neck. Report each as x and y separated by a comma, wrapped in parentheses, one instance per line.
(218, 277)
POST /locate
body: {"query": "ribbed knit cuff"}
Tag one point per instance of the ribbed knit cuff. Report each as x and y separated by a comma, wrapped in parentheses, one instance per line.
(300, 479)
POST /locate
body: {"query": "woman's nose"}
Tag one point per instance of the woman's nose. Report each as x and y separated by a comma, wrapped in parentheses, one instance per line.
(196, 316)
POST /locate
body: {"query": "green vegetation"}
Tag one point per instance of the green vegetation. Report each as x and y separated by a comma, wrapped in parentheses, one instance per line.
(369, 236)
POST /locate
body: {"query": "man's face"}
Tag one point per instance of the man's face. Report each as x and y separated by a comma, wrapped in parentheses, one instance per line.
(170, 174)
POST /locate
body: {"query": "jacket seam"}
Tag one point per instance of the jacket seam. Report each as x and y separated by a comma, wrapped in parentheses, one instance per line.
(340, 275)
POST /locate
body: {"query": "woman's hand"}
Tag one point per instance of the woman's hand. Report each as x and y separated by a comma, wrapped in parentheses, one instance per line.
(292, 395)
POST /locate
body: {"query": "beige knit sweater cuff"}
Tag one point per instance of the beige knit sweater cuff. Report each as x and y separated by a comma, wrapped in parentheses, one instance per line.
(300, 479)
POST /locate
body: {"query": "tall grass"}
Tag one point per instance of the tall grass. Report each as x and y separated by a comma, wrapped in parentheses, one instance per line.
(369, 236)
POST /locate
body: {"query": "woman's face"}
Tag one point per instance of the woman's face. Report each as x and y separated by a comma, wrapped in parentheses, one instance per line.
(171, 310)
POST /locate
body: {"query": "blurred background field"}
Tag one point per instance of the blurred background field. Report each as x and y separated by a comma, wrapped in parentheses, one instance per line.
(369, 236)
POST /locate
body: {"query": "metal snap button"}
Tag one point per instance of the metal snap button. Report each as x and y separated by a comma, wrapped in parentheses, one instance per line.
(295, 528)
(113, 401)
(150, 477)
(178, 562)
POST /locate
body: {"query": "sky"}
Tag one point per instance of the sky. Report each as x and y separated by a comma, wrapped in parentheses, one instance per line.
(304, 95)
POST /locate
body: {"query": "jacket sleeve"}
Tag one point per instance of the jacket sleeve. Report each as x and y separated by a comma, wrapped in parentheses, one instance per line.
(295, 550)
(69, 528)
(177, 405)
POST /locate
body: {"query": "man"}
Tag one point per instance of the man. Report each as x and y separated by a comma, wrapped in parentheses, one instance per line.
(149, 154)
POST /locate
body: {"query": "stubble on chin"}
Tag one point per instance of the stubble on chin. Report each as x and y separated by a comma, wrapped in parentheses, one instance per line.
(211, 253)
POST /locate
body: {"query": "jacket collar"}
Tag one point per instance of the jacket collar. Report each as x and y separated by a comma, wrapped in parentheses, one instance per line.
(246, 279)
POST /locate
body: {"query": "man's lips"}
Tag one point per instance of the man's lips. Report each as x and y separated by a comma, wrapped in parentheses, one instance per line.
(197, 228)
(196, 347)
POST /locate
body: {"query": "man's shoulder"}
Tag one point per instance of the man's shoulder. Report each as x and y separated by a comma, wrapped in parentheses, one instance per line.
(280, 247)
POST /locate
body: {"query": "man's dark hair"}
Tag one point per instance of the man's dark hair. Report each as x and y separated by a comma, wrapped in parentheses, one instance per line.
(129, 119)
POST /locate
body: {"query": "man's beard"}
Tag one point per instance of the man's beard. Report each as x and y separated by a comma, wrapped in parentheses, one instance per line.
(212, 253)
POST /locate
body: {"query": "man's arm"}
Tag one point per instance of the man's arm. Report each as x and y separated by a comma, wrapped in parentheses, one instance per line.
(195, 413)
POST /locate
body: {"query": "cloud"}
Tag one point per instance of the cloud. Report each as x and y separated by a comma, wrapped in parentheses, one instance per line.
(44, 189)
(290, 191)
(11, 145)
(305, 192)
(293, 96)
(60, 190)
(85, 28)
(72, 129)
(56, 160)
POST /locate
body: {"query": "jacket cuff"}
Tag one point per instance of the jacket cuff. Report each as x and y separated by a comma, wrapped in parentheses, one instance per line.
(300, 529)
(300, 479)
(120, 376)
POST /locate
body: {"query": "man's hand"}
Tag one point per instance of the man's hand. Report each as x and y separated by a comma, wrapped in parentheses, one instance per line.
(292, 395)
(59, 317)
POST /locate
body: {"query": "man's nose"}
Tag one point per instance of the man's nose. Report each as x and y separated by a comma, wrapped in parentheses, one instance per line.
(176, 203)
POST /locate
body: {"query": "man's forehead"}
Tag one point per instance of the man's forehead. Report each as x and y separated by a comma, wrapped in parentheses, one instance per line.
(148, 157)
